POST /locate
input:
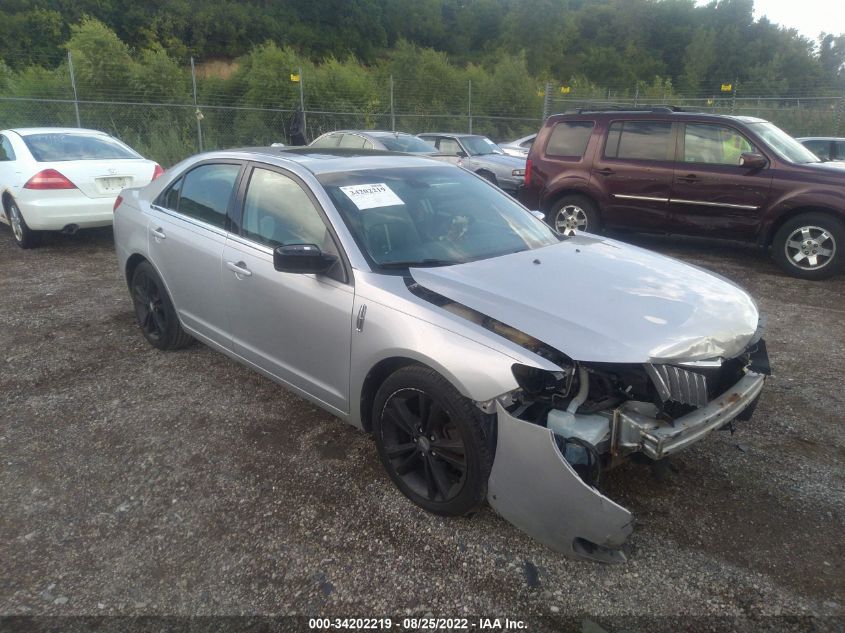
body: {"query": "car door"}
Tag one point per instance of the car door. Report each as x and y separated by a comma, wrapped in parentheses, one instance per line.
(187, 232)
(712, 193)
(10, 170)
(296, 327)
(633, 171)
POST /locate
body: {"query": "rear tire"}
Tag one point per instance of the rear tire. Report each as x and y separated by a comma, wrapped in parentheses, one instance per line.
(433, 442)
(575, 213)
(24, 236)
(154, 310)
(810, 246)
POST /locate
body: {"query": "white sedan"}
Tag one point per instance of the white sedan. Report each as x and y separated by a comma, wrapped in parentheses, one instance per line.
(64, 179)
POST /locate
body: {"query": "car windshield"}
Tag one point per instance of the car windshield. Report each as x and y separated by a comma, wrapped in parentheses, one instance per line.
(783, 144)
(406, 143)
(431, 216)
(480, 145)
(51, 147)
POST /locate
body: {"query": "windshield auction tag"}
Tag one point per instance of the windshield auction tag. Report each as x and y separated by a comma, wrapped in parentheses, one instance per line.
(371, 196)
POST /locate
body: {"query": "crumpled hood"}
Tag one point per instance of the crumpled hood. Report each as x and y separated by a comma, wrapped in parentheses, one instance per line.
(601, 300)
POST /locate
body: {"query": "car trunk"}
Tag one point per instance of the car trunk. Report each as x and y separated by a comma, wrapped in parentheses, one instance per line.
(104, 178)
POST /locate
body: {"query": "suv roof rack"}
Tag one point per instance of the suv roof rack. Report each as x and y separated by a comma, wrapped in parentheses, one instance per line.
(662, 108)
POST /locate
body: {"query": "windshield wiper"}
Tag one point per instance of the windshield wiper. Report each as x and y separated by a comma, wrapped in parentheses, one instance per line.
(420, 263)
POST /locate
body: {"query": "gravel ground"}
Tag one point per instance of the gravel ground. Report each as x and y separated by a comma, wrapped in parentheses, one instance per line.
(136, 482)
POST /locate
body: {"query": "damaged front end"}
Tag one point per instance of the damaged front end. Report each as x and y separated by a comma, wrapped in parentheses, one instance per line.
(561, 430)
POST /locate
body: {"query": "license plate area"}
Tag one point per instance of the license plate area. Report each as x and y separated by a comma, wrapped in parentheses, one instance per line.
(113, 184)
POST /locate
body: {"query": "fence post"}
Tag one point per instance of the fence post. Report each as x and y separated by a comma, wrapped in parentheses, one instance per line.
(637, 95)
(392, 111)
(469, 104)
(73, 85)
(302, 105)
(547, 100)
(197, 112)
(733, 96)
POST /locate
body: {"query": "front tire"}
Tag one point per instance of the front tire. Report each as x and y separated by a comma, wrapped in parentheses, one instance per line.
(809, 246)
(154, 310)
(575, 213)
(433, 442)
(24, 236)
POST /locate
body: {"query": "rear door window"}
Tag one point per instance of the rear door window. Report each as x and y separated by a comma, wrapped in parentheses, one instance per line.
(352, 141)
(640, 140)
(207, 191)
(6, 151)
(569, 138)
(840, 150)
(330, 140)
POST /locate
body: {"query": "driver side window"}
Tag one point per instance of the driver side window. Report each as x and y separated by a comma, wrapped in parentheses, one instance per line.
(277, 211)
(449, 146)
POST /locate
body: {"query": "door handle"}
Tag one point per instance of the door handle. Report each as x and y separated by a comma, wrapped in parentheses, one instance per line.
(239, 268)
(159, 233)
(689, 178)
(605, 172)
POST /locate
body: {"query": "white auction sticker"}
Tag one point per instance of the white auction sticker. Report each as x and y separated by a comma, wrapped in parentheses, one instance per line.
(372, 196)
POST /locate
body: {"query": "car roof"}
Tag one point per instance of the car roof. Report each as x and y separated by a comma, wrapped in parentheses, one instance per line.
(455, 134)
(820, 138)
(27, 131)
(373, 133)
(330, 160)
(658, 114)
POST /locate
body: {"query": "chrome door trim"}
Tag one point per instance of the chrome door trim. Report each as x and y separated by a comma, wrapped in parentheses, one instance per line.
(646, 198)
(705, 203)
(189, 220)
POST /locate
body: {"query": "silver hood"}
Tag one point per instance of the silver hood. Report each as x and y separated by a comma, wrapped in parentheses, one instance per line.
(601, 300)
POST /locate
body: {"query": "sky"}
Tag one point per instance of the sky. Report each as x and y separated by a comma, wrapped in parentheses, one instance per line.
(810, 17)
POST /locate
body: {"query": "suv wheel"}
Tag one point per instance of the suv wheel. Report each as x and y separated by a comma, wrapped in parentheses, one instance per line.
(432, 441)
(810, 246)
(575, 213)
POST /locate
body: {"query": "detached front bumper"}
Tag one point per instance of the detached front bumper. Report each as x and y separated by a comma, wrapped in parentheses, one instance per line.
(634, 429)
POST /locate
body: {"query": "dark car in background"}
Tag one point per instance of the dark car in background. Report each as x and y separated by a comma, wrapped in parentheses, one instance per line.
(686, 173)
(825, 147)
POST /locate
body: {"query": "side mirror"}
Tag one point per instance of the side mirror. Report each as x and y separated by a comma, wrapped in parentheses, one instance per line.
(752, 160)
(461, 153)
(302, 258)
(538, 214)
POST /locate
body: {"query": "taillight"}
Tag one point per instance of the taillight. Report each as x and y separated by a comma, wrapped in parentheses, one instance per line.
(527, 171)
(117, 202)
(49, 179)
(158, 171)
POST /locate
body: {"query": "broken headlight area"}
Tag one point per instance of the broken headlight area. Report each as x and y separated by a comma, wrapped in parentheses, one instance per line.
(601, 413)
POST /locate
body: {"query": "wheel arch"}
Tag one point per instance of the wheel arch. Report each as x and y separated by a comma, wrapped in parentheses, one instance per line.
(5, 200)
(375, 378)
(132, 262)
(552, 199)
(774, 227)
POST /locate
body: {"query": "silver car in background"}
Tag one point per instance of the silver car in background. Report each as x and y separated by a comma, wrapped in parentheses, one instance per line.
(490, 357)
(519, 147)
(373, 139)
(480, 155)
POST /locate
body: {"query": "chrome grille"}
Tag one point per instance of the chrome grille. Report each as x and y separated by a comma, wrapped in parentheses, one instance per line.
(679, 385)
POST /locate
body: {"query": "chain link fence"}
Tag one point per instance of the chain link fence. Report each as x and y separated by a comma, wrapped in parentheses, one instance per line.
(208, 113)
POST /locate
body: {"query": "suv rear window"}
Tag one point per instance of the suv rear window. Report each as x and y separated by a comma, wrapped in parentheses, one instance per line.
(640, 140)
(569, 138)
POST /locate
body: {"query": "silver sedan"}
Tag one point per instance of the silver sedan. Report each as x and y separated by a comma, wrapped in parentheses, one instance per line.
(480, 155)
(490, 357)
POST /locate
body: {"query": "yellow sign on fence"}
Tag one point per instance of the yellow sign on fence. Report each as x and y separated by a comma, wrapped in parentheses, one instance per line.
(564, 90)
(294, 77)
(727, 87)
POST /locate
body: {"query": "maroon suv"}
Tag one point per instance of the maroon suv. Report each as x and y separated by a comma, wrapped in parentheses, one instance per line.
(667, 171)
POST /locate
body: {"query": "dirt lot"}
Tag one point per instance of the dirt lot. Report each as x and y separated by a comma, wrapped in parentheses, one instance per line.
(140, 482)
